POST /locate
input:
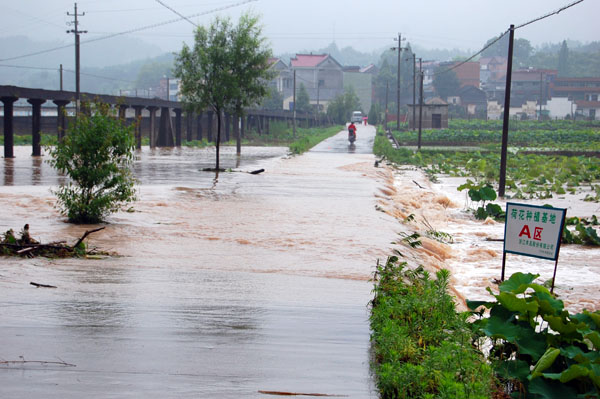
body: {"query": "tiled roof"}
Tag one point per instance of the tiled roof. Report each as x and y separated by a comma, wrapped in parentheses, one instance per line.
(308, 60)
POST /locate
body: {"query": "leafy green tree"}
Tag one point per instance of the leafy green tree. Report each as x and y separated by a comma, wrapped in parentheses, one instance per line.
(250, 66)
(563, 60)
(302, 100)
(96, 155)
(206, 72)
(446, 84)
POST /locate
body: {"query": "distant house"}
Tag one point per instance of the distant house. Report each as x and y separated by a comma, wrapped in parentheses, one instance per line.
(473, 99)
(435, 114)
(468, 73)
(282, 79)
(321, 75)
(587, 89)
(493, 68)
(588, 109)
(533, 84)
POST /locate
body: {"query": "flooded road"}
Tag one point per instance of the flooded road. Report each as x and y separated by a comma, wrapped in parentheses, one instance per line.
(221, 287)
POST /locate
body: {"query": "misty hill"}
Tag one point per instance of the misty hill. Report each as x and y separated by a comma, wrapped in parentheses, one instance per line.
(42, 70)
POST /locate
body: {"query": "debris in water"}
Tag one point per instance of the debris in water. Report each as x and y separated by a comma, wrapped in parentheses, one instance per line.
(282, 393)
(38, 285)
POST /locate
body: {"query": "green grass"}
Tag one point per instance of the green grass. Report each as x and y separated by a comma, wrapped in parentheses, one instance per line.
(422, 346)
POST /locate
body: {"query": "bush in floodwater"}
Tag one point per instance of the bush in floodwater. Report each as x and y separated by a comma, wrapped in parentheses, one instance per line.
(422, 346)
(96, 155)
(538, 349)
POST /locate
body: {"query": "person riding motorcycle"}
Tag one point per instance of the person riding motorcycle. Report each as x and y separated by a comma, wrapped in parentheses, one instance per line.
(351, 132)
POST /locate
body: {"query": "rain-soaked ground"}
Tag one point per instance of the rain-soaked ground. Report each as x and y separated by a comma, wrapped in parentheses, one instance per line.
(221, 288)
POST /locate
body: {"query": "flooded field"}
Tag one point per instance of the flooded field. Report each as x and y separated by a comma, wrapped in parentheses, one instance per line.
(219, 287)
(475, 256)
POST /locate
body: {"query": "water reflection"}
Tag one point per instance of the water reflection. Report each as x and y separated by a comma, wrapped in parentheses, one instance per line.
(36, 170)
(9, 171)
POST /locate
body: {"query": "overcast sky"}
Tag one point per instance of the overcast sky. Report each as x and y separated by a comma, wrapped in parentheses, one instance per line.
(292, 26)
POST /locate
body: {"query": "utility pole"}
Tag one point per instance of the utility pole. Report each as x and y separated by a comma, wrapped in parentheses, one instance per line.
(387, 88)
(414, 90)
(541, 94)
(168, 94)
(318, 87)
(294, 102)
(76, 31)
(503, 153)
(61, 78)
(399, 48)
(420, 103)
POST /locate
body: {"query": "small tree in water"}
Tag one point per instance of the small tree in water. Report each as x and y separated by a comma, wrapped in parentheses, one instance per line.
(96, 155)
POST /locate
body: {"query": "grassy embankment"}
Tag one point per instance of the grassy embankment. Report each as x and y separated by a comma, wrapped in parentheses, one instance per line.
(422, 346)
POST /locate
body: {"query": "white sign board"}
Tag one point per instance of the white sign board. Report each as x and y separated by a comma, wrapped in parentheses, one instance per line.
(532, 230)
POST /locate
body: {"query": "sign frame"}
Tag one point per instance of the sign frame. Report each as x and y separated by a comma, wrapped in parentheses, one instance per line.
(561, 211)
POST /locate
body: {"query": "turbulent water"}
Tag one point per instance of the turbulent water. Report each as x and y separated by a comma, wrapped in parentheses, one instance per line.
(218, 287)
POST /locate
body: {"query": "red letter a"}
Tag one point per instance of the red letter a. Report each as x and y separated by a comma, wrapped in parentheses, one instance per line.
(525, 231)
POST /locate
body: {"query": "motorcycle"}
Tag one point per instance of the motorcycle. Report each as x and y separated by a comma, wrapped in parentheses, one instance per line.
(351, 136)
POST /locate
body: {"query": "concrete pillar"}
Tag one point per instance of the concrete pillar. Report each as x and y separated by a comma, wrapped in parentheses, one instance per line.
(9, 139)
(123, 111)
(138, 125)
(199, 126)
(152, 133)
(243, 126)
(61, 120)
(227, 126)
(189, 122)
(36, 121)
(178, 127)
(209, 125)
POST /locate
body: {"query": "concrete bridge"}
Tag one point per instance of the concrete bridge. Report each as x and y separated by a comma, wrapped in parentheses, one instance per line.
(165, 133)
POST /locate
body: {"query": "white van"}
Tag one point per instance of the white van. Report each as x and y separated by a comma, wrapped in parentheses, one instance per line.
(356, 117)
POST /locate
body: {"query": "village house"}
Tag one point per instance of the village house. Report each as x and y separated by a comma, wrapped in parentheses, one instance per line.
(321, 75)
(435, 114)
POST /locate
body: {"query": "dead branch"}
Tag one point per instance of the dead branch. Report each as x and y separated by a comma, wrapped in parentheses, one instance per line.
(420, 186)
(88, 232)
(42, 362)
(42, 285)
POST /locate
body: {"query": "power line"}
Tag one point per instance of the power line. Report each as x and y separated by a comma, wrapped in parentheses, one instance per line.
(131, 30)
(549, 14)
(507, 31)
(177, 13)
(473, 56)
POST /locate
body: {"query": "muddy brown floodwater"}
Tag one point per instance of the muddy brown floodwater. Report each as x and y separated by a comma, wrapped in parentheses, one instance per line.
(221, 287)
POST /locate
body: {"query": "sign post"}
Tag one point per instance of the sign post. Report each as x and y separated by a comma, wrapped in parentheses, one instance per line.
(532, 230)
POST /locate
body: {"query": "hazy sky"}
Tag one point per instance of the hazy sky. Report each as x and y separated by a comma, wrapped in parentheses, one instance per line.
(310, 24)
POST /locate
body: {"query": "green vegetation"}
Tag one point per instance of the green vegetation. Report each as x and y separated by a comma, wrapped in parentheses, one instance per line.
(529, 175)
(422, 346)
(556, 135)
(538, 349)
(96, 155)
(26, 139)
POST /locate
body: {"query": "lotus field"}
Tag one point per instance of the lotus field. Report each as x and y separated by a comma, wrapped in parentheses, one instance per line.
(545, 159)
